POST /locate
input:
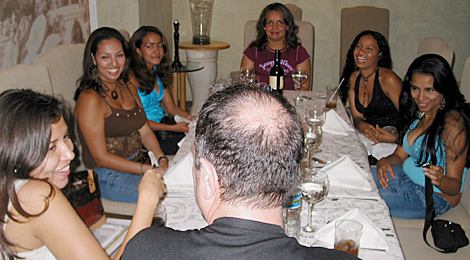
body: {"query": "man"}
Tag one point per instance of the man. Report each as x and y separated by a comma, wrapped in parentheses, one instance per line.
(248, 148)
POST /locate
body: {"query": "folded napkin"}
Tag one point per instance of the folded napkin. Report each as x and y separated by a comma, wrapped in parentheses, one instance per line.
(179, 177)
(372, 236)
(377, 150)
(179, 119)
(345, 173)
(334, 124)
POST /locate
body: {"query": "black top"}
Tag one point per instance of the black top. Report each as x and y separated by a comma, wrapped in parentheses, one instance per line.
(226, 238)
(381, 110)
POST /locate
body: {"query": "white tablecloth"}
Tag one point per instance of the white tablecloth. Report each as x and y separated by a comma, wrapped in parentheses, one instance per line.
(184, 214)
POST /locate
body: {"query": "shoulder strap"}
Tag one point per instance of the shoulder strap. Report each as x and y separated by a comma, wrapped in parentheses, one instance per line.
(430, 213)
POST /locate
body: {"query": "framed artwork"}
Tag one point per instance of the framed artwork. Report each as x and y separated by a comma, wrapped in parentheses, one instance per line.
(29, 28)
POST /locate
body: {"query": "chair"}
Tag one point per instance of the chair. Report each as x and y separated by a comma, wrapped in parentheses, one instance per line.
(436, 45)
(295, 10)
(357, 19)
(465, 84)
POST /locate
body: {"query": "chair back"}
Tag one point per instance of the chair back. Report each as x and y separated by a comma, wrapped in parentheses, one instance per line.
(295, 10)
(465, 82)
(26, 76)
(64, 63)
(436, 45)
(358, 19)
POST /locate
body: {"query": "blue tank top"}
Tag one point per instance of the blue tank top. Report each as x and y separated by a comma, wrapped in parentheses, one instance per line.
(151, 103)
(415, 173)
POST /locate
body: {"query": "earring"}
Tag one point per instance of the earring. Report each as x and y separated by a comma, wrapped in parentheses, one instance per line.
(96, 78)
(264, 28)
(443, 104)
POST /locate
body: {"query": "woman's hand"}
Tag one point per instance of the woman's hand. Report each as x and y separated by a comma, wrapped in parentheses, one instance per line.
(163, 163)
(151, 186)
(378, 135)
(435, 173)
(383, 168)
(181, 127)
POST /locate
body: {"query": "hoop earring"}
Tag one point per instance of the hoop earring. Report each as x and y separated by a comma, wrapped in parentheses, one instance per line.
(443, 104)
(96, 78)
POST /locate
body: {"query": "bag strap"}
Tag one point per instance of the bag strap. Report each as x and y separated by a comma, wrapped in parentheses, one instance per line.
(430, 213)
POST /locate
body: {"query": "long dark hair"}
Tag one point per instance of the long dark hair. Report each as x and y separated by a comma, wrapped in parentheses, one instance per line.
(86, 80)
(25, 132)
(291, 34)
(385, 60)
(144, 76)
(444, 83)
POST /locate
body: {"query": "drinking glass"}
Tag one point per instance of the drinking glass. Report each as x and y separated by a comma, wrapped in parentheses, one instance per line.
(299, 76)
(313, 137)
(315, 186)
(247, 75)
(315, 115)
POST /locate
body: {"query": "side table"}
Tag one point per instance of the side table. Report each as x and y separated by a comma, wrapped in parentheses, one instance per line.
(199, 81)
(179, 80)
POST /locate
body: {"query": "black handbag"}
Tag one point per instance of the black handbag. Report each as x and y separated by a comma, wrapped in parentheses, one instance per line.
(83, 192)
(448, 236)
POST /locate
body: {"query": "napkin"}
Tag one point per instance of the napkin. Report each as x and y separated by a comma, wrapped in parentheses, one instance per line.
(179, 119)
(347, 174)
(334, 124)
(372, 236)
(179, 177)
(377, 150)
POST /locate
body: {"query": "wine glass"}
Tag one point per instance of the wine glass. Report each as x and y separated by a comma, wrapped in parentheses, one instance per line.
(247, 75)
(299, 76)
(315, 115)
(315, 186)
(313, 137)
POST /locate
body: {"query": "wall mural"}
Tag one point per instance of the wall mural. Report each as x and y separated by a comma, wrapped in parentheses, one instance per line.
(29, 28)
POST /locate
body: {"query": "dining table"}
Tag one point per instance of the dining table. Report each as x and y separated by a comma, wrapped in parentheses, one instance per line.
(183, 212)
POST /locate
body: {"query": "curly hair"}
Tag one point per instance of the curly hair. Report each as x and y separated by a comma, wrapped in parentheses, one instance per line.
(291, 34)
(385, 60)
(86, 80)
(444, 83)
(144, 76)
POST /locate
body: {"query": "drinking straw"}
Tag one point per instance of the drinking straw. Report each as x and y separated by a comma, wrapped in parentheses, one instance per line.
(331, 98)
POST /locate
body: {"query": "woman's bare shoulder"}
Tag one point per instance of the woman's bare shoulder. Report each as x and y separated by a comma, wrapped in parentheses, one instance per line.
(35, 195)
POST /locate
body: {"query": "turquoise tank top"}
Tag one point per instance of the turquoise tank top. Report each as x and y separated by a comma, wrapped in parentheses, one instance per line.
(151, 103)
(415, 173)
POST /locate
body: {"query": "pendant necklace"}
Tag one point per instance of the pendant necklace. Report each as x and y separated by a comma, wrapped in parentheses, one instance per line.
(365, 87)
(114, 94)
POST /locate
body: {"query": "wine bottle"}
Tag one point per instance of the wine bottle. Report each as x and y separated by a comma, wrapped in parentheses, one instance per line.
(276, 75)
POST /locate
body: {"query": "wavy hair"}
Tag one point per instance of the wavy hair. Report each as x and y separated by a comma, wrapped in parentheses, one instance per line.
(385, 60)
(144, 76)
(25, 132)
(86, 81)
(291, 34)
(444, 83)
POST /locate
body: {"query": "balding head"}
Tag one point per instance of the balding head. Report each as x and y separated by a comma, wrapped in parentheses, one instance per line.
(254, 139)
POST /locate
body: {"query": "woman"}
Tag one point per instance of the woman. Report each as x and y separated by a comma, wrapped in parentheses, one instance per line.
(373, 97)
(151, 73)
(277, 31)
(111, 122)
(38, 222)
(434, 129)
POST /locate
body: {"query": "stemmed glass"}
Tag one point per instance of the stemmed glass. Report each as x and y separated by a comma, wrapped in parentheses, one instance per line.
(299, 76)
(315, 186)
(313, 137)
(247, 75)
(315, 115)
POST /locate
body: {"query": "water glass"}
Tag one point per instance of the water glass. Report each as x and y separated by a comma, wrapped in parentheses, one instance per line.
(159, 216)
(331, 97)
(348, 236)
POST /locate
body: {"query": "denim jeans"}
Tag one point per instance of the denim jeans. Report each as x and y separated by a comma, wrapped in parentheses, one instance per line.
(118, 186)
(405, 199)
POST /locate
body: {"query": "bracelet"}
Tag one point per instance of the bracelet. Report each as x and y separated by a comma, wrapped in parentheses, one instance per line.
(141, 166)
(163, 157)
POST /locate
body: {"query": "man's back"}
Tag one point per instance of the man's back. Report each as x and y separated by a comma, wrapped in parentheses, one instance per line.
(226, 238)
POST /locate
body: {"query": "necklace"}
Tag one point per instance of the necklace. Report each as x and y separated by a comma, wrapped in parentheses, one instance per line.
(114, 94)
(365, 85)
